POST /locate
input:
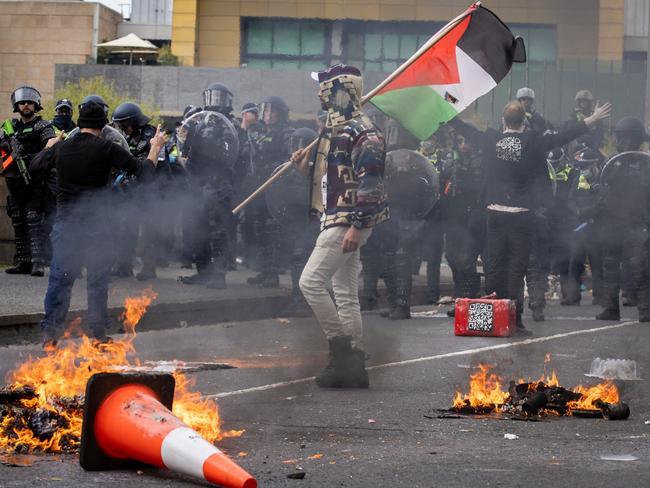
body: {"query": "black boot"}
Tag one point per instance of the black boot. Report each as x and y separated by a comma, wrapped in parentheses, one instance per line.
(22, 268)
(367, 301)
(521, 330)
(538, 314)
(609, 314)
(400, 312)
(346, 368)
(38, 270)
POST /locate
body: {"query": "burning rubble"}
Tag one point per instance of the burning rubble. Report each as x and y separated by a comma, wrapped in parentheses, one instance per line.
(525, 398)
(42, 408)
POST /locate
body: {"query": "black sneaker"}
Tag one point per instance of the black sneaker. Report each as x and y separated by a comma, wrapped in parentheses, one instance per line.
(24, 268)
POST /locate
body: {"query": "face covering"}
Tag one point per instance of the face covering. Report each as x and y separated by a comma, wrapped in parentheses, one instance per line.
(63, 122)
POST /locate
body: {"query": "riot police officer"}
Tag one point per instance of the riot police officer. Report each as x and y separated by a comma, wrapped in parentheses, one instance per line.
(625, 218)
(63, 112)
(288, 203)
(585, 243)
(534, 119)
(272, 149)
(584, 107)
(130, 120)
(210, 142)
(20, 140)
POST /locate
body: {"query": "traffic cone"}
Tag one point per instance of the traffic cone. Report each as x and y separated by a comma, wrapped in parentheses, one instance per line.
(127, 417)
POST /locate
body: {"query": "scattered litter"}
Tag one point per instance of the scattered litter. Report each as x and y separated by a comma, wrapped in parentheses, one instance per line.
(290, 398)
(647, 422)
(464, 366)
(242, 454)
(510, 437)
(284, 321)
(618, 457)
(290, 461)
(614, 369)
(315, 456)
(446, 300)
(430, 314)
(466, 430)
(56, 479)
(371, 421)
(296, 476)
(183, 324)
(139, 472)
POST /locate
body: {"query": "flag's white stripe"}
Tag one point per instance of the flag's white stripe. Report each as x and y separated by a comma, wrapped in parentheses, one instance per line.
(474, 82)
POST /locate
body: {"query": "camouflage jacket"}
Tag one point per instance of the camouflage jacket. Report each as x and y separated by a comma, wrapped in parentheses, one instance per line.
(347, 177)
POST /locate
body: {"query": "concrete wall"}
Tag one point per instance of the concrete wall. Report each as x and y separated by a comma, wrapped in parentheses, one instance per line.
(172, 88)
(207, 32)
(36, 35)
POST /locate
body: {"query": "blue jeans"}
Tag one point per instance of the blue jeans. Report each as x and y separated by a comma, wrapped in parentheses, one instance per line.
(79, 239)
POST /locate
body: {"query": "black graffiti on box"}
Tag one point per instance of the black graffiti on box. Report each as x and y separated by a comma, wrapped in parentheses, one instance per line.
(481, 317)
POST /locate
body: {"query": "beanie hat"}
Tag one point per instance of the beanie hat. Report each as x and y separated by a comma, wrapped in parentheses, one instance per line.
(92, 116)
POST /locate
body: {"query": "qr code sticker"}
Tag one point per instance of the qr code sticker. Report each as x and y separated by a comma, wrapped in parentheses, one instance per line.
(481, 317)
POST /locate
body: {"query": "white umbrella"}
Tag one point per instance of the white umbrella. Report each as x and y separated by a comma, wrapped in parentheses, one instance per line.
(131, 44)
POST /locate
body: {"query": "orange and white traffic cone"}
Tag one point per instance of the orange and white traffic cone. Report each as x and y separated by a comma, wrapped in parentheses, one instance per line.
(127, 417)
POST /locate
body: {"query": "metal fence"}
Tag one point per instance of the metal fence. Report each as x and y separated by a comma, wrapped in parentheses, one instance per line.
(556, 84)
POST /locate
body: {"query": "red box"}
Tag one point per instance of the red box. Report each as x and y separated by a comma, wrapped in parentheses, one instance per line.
(487, 317)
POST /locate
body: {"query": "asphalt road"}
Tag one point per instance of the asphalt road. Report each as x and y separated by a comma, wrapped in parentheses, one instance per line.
(380, 437)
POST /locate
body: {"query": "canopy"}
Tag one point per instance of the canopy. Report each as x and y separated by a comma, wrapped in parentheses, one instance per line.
(131, 44)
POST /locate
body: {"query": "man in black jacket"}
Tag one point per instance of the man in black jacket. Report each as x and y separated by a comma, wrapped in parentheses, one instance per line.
(514, 160)
(83, 232)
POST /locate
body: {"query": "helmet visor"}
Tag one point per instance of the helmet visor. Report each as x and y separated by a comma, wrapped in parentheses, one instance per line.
(27, 94)
(217, 98)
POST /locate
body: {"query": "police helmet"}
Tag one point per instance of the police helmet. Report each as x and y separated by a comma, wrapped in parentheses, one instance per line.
(26, 94)
(250, 107)
(301, 138)
(219, 96)
(190, 110)
(97, 99)
(633, 128)
(130, 111)
(587, 157)
(525, 92)
(274, 103)
(63, 103)
(584, 95)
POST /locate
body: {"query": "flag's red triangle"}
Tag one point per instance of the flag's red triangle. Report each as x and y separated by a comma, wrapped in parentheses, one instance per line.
(437, 66)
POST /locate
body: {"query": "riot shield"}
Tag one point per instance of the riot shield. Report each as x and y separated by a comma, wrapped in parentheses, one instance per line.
(412, 185)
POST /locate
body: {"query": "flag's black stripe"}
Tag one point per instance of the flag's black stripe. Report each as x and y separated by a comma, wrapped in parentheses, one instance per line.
(489, 42)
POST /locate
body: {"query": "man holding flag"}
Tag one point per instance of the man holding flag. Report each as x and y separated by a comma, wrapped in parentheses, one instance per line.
(347, 193)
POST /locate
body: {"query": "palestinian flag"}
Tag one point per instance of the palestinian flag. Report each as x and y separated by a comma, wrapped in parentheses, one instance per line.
(467, 62)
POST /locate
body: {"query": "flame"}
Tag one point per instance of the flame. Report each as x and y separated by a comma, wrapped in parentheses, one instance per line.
(605, 392)
(484, 390)
(59, 381)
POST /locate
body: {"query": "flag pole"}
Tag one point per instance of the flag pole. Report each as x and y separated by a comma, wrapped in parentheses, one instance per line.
(286, 167)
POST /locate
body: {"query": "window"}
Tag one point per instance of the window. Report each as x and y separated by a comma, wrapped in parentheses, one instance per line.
(286, 44)
(540, 41)
(383, 46)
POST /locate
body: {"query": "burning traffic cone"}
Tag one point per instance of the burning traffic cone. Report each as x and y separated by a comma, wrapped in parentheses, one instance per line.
(127, 417)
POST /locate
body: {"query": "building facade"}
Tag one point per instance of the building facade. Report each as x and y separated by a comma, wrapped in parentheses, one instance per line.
(378, 34)
(35, 37)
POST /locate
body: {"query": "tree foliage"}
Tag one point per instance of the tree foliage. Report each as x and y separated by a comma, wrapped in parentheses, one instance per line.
(165, 56)
(76, 91)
